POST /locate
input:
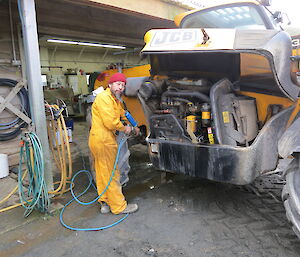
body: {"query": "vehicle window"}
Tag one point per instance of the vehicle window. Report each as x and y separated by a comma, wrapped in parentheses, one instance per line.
(242, 17)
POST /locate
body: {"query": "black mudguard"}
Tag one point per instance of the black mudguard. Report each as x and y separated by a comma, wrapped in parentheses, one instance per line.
(224, 163)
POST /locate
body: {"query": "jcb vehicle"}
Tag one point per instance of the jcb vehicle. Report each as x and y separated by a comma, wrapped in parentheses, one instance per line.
(222, 100)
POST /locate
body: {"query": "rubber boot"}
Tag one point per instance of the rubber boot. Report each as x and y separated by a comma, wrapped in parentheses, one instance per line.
(104, 209)
(131, 207)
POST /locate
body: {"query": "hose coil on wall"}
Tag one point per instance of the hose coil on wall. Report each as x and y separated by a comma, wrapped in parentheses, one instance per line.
(11, 129)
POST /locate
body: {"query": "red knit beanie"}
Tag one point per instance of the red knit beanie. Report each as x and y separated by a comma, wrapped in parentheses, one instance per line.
(117, 77)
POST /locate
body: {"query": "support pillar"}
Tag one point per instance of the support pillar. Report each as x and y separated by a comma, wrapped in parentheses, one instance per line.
(34, 80)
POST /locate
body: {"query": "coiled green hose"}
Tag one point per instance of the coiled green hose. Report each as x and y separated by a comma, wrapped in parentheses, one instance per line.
(36, 196)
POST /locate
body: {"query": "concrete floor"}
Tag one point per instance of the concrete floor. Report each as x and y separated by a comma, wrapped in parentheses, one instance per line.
(178, 216)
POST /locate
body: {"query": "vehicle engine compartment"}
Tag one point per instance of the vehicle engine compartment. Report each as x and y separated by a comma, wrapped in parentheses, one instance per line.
(199, 112)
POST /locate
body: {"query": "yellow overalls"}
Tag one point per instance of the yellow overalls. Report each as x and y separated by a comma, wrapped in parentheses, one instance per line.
(106, 114)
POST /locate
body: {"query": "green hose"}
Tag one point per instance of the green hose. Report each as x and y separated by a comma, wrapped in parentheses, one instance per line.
(36, 196)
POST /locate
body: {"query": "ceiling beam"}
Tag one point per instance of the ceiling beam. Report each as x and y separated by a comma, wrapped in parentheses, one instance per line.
(157, 9)
(83, 21)
(82, 35)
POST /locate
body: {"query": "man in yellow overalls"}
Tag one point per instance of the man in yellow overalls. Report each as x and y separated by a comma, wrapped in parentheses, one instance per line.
(107, 113)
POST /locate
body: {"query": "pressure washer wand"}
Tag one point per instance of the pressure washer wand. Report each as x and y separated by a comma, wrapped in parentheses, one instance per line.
(128, 116)
(130, 119)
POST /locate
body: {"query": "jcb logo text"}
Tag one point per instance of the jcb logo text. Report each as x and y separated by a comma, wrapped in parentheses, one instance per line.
(173, 37)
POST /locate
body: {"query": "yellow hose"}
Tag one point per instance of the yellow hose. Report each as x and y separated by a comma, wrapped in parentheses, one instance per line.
(13, 191)
(10, 207)
(68, 148)
(61, 154)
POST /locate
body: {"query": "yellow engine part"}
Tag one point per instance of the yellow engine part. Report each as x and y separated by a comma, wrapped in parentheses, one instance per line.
(191, 122)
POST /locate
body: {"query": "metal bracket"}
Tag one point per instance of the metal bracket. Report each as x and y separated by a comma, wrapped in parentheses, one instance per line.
(295, 58)
(11, 95)
(5, 102)
(205, 37)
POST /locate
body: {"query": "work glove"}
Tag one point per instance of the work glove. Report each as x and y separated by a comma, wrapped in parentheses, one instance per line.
(127, 130)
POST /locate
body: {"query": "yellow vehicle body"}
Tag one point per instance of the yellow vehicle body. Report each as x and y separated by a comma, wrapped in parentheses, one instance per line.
(250, 64)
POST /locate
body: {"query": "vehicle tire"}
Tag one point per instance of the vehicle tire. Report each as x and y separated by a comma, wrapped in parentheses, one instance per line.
(291, 195)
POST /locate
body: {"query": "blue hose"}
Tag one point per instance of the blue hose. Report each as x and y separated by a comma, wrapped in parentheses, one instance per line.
(17, 124)
(76, 198)
(8, 125)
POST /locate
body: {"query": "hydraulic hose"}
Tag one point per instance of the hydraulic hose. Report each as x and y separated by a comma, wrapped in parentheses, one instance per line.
(10, 194)
(60, 152)
(17, 123)
(36, 196)
(186, 94)
(8, 125)
(76, 198)
(60, 148)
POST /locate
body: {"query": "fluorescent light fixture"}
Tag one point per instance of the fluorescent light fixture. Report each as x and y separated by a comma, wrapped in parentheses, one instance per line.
(83, 43)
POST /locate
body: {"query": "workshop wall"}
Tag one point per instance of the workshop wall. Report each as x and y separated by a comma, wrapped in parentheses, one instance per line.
(69, 67)
(7, 70)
